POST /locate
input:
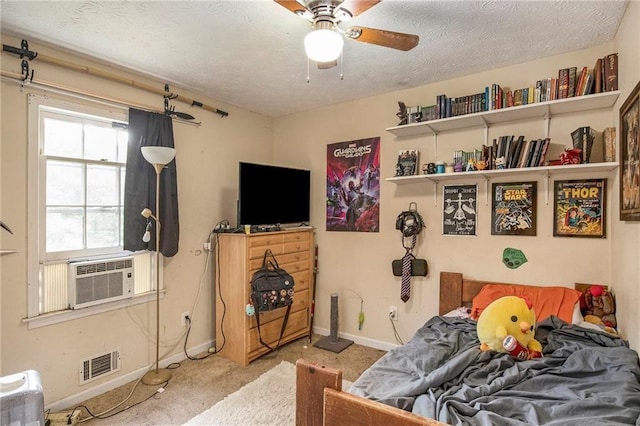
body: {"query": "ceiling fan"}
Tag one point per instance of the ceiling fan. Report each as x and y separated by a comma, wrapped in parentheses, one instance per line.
(324, 43)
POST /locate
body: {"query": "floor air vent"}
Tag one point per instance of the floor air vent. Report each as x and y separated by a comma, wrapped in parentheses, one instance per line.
(98, 366)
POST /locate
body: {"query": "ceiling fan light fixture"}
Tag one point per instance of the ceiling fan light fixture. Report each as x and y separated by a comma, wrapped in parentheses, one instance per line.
(323, 45)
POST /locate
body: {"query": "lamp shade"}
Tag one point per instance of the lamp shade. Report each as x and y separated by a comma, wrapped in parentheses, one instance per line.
(323, 45)
(158, 154)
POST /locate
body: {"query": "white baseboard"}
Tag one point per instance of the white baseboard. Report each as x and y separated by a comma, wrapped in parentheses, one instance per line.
(376, 344)
(79, 397)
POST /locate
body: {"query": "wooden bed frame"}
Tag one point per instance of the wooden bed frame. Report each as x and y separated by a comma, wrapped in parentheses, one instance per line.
(319, 396)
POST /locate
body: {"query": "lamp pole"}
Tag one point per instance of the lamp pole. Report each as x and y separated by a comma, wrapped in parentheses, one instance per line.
(157, 375)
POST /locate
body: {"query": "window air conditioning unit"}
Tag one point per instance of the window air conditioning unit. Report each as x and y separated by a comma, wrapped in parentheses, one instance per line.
(98, 281)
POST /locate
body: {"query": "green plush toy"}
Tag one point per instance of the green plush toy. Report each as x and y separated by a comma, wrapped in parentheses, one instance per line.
(508, 316)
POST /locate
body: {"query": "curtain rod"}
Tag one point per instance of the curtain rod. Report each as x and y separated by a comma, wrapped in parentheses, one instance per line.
(24, 51)
(70, 91)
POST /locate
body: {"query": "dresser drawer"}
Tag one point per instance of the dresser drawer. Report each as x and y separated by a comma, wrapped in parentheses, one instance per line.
(302, 280)
(270, 332)
(266, 239)
(297, 237)
(296, 246)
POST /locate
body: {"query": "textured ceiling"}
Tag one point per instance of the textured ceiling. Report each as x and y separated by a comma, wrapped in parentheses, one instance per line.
(250, 53)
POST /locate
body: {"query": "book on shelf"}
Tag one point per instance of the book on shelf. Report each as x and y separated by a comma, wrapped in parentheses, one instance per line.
(596, 152)
(573, 71)
(591, 144)
(597, 76)
(609, 136)
(581, 81)
(515, 154)
(544, 146)
(611, 72)
(407, 164)
(523, 154)
(579, 141)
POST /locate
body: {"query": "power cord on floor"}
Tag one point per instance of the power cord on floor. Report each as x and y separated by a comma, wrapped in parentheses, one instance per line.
(395, 331)
(104, 415)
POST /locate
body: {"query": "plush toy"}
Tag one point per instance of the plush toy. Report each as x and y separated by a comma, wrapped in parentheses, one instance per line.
(508, 316)
(592, 319)
(597, 301)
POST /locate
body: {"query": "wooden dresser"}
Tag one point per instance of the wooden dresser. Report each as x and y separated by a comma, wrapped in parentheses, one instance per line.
(240, 256)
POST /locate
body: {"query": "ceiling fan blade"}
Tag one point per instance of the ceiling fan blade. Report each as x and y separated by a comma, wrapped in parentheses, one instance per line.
(327, 65)
(292, 5)
(356, 7)
(394, 40)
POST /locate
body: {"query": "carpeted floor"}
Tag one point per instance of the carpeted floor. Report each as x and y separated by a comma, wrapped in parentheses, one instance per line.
(197, 385)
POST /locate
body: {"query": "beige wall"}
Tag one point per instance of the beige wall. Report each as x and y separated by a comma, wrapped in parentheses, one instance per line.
(625, 268)
(207, 158)
(361, 262)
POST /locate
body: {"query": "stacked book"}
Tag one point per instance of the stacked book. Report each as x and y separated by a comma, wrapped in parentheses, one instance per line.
(570, 82)
(509, 152)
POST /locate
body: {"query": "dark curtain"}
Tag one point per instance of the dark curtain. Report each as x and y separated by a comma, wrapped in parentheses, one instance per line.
(147, 128)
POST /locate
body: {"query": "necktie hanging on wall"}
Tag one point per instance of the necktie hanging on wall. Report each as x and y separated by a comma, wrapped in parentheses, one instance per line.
(410, 224)
(405, 289)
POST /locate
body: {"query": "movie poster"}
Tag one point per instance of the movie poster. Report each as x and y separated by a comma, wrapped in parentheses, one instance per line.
(353, 185)
(513, 208)
(579, 208)
(459, 209)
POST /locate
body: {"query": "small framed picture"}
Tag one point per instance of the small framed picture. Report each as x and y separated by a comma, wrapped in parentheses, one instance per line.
(630, 156)
(579, 208)
(459, 209)
(513, 208)
(407, 164)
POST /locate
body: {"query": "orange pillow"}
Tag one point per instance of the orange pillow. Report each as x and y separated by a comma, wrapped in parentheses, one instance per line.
(558, 301)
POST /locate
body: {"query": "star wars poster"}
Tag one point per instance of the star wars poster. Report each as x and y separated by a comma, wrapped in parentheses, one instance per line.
(459, 209)
(353, 185)
(513, 208)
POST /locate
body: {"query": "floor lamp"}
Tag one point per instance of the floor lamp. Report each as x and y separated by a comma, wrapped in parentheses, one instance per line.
(158, 156)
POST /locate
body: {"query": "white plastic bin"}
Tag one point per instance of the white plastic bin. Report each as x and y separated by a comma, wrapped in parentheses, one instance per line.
(21, 399)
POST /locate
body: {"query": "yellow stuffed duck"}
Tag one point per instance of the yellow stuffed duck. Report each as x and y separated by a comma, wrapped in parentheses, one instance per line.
(508, 316)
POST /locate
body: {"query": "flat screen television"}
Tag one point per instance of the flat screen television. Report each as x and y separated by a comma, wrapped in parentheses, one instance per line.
(271, 195)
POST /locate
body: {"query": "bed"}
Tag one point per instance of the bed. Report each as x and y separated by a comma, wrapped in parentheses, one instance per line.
(586, 376)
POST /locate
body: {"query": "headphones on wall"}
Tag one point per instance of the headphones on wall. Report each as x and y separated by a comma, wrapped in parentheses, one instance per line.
(409, 222)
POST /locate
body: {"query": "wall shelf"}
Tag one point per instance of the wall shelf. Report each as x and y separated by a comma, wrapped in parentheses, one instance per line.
(490, 174)
(541, 110)
(545, 172)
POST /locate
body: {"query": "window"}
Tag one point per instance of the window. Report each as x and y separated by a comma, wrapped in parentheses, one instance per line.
(77, 160)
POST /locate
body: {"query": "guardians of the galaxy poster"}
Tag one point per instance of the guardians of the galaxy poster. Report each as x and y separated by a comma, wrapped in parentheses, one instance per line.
(353, 185)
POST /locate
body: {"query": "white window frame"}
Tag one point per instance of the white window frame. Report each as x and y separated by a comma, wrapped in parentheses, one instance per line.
(36, 244)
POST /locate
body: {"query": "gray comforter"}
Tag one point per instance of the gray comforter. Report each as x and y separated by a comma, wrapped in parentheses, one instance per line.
(585, 377)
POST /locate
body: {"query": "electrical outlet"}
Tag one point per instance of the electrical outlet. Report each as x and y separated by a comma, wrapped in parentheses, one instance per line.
(183, 318)
(393, 313)
(206, 246)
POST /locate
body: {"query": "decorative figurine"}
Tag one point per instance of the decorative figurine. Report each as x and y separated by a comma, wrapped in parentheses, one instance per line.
(402, 114)
(480, 164)
(470, 165)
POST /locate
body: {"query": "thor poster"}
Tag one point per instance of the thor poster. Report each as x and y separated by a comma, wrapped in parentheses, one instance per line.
(353, 185)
